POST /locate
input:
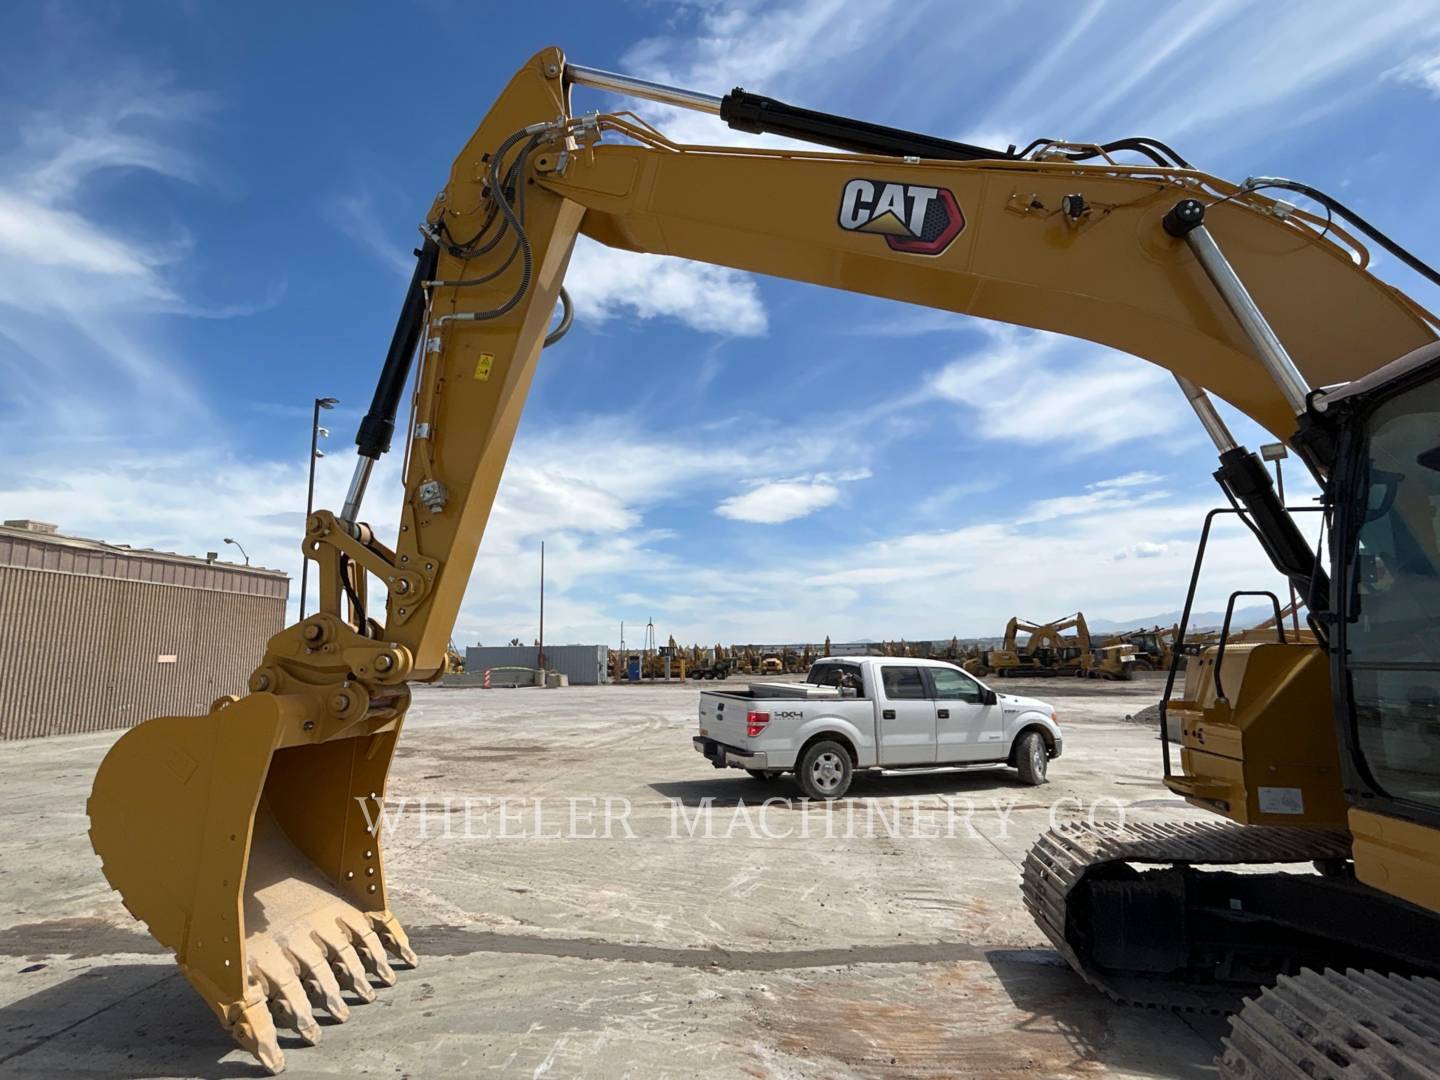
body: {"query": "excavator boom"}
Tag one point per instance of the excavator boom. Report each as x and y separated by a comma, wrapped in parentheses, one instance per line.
(249, 840)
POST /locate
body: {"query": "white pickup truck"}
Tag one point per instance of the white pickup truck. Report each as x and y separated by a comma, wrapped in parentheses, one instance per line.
(870, 713)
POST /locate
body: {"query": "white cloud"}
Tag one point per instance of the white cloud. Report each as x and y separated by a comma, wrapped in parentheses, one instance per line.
(783, 500)
(1139, 478)
(606, 283)
(1422, 71)
(1145, 549)
(1037, 388)
(786, 500)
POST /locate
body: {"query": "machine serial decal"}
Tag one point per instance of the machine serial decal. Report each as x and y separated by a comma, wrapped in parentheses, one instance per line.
(913, 218)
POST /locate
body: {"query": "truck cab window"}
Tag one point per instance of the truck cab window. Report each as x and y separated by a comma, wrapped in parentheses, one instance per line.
(903, 683)
(845, 676)
(953, 685)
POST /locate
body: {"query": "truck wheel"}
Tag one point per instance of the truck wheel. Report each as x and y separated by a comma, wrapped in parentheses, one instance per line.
(1032, 758)
(825, 771)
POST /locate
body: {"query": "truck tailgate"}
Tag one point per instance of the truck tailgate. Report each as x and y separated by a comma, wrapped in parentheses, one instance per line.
(722, 718)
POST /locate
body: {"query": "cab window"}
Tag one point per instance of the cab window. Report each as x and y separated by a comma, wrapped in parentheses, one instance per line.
(1393, 652)
(952, 685)
(845, 676)
(903, 683)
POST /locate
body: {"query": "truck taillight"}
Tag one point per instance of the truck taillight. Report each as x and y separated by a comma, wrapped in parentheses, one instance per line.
(755, 722)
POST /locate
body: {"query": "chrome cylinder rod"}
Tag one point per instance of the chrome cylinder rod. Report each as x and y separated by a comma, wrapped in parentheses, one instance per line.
(1210, 419)
(642, 88)
(359, 479)
(1187, 220)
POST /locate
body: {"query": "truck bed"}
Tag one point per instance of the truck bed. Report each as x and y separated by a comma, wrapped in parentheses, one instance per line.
(781, 692)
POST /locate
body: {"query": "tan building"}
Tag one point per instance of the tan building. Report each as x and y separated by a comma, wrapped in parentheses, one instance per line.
(96, 636)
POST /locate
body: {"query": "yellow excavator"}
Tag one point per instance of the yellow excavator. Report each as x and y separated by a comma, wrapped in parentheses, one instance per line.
(1047, 651)
(247, 840)
(1035, 657)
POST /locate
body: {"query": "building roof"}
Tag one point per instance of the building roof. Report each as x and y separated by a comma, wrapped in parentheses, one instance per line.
(36, 545)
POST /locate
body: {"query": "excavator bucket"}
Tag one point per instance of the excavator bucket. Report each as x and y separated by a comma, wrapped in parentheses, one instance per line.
(254, 853)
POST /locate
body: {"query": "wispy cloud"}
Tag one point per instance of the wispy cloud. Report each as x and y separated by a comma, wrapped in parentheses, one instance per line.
(1116, 493)
(1174, 74)
(356, 215)
(81, 294)
(777, 49)
(1030, 387)
(1422, 71)
(606, 283)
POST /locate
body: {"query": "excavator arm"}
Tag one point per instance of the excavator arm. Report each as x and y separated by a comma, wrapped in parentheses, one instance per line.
(248, 839)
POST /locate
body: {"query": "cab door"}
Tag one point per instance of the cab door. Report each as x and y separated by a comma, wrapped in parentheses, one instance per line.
(907, 717)
(966, 729)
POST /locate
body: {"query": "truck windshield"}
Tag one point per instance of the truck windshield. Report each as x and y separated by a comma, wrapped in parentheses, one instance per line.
(1393, 643)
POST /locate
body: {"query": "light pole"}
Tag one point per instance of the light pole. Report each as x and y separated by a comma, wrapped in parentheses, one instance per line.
(1277, 453)
(315, 454)
(228, 540)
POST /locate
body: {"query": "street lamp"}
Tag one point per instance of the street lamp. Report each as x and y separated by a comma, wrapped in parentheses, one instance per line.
(228, 540)
(316, 431)
(1277, 452)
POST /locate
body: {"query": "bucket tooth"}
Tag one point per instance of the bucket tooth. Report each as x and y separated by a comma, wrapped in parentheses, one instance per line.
(394, 939)
(372, 955)
(320, 985)
(291, 1009)
(347, 967)
(255, 1032)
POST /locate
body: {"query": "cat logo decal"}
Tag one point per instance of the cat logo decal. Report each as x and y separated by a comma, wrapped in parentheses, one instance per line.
(913, 218)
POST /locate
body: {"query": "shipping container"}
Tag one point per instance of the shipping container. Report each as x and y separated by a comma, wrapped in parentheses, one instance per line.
(586, 665)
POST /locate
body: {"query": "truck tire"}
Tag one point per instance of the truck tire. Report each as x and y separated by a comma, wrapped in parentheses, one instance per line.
(824, 771)
(1032, 758)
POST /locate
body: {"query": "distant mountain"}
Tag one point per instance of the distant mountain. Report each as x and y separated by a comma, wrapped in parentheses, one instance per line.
(1199, 620)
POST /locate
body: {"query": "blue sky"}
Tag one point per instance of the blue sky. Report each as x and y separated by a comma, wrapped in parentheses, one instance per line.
(206, 213)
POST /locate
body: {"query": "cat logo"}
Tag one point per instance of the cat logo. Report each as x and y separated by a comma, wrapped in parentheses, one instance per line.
(915, 219)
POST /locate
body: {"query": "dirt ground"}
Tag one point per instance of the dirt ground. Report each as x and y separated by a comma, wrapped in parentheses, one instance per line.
(597, 901)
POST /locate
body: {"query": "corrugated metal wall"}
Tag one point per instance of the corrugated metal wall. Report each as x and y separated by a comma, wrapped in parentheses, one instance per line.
(585, 665)
(71, 555)
(84, 653)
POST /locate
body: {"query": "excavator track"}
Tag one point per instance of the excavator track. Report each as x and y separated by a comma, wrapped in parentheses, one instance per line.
(1069, 863)
(1355, 1025)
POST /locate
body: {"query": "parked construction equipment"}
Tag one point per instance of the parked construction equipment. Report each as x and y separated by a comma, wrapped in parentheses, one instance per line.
(239, 837)
(1048, 651)
(1154, 647)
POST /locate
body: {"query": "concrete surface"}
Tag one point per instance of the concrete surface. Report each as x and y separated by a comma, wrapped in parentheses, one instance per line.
(886, 949)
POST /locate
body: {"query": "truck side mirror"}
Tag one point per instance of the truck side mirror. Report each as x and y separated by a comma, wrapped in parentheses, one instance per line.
(989, 697)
